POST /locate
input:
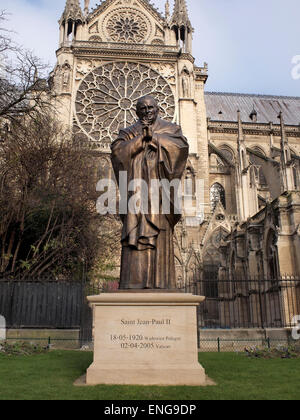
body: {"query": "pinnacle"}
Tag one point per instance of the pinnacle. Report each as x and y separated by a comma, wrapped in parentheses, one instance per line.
(180, 15)
(72, 10)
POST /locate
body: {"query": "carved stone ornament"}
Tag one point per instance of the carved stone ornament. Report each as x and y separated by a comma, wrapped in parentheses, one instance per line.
(127, 25)
(86, 66)
(107, 96)
(167, 70)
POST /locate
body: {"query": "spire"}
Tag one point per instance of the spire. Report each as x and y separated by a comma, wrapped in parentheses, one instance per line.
(181, 25)
(285, 149)
(180, 16)
(167, 10)
(246, 185)
(241, 136)
(86, 7)
(244, 161)
(72, 11)
(288, 176)
(282, 128)
(71, 19)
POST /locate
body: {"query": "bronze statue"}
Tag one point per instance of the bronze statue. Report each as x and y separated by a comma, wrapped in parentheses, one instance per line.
(151, 149)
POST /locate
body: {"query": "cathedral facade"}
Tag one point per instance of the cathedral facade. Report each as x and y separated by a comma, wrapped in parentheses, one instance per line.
(245, 149)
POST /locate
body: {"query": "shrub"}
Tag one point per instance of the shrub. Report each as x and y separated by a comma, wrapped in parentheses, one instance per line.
(282, 352)
(21, 348)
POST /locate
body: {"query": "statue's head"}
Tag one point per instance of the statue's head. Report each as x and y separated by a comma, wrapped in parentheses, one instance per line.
(147, 110)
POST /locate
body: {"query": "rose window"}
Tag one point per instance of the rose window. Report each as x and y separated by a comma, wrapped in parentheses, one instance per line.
(107, 97)
(127, 26)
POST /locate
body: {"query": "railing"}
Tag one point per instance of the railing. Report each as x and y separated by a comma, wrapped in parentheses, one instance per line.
(115, 45)
(42, 303)
(229, 304)
(249, 303)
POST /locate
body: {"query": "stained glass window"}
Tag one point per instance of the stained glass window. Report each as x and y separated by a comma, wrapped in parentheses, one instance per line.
(217, 195)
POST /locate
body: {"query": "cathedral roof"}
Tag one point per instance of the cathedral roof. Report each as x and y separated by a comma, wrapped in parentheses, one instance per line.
(224, 107)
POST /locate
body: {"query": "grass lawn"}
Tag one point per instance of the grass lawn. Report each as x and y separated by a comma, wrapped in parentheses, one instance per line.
(50, 376)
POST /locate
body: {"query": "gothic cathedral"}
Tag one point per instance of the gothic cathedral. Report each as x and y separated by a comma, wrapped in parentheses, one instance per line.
(244, 149)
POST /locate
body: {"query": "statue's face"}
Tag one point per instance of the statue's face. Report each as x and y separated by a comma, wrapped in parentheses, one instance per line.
(147, 110)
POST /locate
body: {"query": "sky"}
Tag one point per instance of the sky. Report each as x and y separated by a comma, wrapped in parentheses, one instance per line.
(250, 46)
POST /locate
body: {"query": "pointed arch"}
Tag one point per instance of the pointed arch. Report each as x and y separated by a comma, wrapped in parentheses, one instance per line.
(227, 152)
(189, 180)
(212, 256)
(260, 150)
(257, 162)
(217, 195)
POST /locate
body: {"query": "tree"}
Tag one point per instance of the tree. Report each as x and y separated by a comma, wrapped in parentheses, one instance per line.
(48, 218)
(46, 199)
(23, 86)
(5, 40)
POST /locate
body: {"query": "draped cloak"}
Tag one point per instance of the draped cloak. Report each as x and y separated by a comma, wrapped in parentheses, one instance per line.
(147, 239)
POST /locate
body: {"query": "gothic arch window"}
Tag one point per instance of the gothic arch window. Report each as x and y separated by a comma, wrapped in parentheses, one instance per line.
(257, 162)
(212, 255)
(189, 187)
(228, 153)
(212, 263)
(262, 178)
(259, 150)
(71, 29)
(217, 195)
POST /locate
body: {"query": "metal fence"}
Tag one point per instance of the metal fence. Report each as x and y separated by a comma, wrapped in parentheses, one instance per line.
(42, 303)
(229, 304)
(223, 345)
(213, 345)
(254, 303)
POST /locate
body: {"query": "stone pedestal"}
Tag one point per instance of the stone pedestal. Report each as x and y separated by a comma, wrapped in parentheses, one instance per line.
(145, 339)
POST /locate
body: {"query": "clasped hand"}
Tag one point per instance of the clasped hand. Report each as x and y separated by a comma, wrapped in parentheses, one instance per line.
(147, 133)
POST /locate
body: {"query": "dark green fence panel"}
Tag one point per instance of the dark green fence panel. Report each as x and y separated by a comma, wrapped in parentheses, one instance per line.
(38, 304)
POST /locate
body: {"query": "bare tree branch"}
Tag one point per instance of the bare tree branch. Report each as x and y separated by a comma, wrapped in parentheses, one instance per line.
(23, 86)
(48, 218)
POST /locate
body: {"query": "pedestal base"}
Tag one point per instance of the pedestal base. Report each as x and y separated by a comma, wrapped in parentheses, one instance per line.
(145, 339)
(193, 375)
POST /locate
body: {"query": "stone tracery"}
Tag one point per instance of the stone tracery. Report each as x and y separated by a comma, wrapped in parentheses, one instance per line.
(127, 25)
(107, 96)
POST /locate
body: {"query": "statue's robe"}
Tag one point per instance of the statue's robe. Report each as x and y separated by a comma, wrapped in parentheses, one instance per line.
(147, 239)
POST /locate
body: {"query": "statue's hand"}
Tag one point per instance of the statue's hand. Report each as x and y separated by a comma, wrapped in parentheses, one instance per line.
(148, 133)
